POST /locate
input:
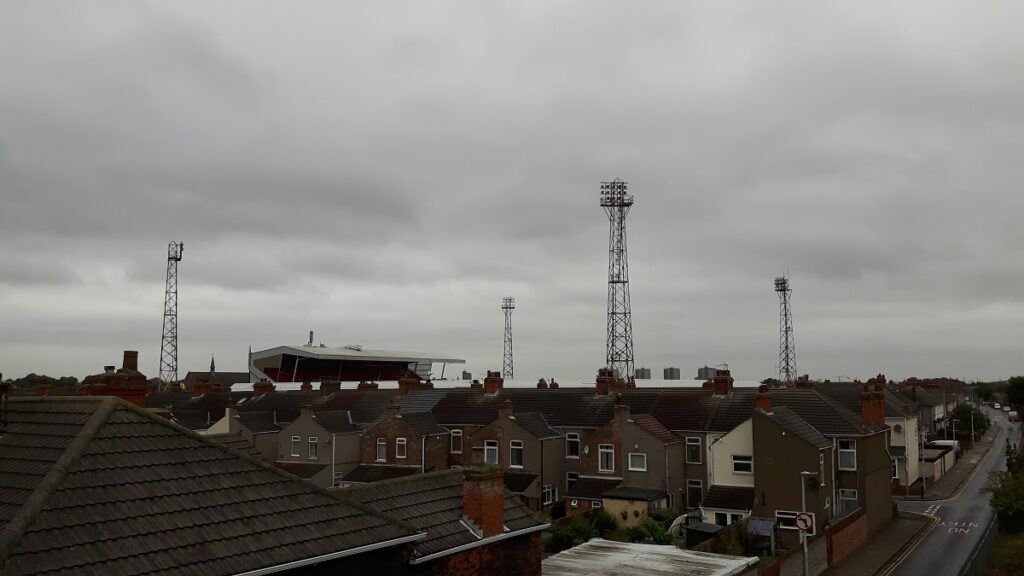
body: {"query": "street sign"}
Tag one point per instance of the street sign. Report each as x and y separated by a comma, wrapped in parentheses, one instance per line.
(805, 522)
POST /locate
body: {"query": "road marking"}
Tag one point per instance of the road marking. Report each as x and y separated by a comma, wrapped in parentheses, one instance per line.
(934, 521)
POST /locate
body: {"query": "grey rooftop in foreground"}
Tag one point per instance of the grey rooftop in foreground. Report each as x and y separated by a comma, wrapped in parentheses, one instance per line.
(607, 558)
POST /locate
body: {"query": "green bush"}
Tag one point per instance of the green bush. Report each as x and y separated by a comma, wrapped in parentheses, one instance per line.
(1008, 556)
(605, 523)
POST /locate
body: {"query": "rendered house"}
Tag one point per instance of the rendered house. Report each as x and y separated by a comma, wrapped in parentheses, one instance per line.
(321, 447)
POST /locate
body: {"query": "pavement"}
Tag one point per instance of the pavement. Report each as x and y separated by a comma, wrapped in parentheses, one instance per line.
(944, 524)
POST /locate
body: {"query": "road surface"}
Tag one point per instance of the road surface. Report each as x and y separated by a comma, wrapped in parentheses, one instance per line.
(962, 519)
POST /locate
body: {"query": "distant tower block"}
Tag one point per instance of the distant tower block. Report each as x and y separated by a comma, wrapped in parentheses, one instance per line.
(787, 350)
(671, 373)
(508, 304)
(642, 374)
(169, 344)
(616, 202)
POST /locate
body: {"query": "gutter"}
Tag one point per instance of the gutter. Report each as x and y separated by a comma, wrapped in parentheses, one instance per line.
(481, 542)
(334, 555)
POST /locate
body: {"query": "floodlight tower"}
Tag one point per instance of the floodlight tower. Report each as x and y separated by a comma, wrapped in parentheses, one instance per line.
(508, 304)
(169, 344)
(787, 350)
(616, 202)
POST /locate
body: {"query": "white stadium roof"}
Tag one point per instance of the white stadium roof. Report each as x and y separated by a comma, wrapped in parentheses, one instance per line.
(356, 353)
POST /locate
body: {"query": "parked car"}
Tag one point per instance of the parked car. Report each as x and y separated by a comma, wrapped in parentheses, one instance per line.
(996, 406)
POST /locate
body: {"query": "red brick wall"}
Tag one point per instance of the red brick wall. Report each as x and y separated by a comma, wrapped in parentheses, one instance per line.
(391, 429)
(848, 536)
(520, 556)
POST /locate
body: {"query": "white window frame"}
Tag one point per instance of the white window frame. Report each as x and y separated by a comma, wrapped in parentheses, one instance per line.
(743, 460)
(570, 479)
(572, 439)
(786, 519)
(895, 469)
(456, 433)
(400, 448)
(296, 442)
(642, 467)
(313, 449)
(603, 449)
(698, 484)
(382, 443)
(514, 445)
(725, 518)
(596, 504)
(694, 441)
(574, 503)
(490, 447)
(546, 494)
(847, 451)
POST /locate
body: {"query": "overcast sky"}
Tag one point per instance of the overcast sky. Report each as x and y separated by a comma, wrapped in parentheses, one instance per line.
(383, 173)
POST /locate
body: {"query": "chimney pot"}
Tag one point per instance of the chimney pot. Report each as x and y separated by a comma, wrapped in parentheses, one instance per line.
(764, 399)
(542, 384)
(493, 383)
(109, 369)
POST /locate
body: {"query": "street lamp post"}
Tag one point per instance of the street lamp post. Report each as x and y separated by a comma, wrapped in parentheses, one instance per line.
(804, 475)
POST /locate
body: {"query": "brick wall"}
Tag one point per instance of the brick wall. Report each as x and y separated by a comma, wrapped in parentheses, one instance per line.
(511, 557)
(848, 535)
(391, 429)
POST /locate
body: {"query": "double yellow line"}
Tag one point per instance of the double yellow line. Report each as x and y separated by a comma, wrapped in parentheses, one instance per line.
(921, 535)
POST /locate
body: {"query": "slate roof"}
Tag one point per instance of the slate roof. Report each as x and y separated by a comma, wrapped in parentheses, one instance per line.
(238, 443)
(97, 485)
(633, 493)
(682, 410)
(729, 497)
(258, 422)
(823, 413)
(366, 406)
(536, 425)
(423, 423)
(652, 426)
(518, 481)
(848, 394)
(591, 488)
(732, 410)
(791, 422)
(286, 406)
(336, 421)
(192, 420)
(365, 473)
(420, 400)
(173, 399)
(922, 396)
(222, 379)
(562, 407)
(433, 504)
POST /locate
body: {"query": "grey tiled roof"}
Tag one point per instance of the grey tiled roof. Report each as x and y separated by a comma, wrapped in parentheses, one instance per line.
(729, 497)
(366, 406)
(652, 426)
(336, 421)
(420, 400)
(634, 493)
(96, 485)
(536, 425)
(823, 413)
(433, 503)
(592, 488)
(790, 421)
(423, 423)
(238, 443)
(849, 395)
(517, 481)
(286, 405)
(304, 470)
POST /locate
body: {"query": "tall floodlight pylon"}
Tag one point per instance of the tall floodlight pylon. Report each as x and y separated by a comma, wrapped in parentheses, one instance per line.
(616, 202)
(787, 350)
(169, 344)
(508, 304)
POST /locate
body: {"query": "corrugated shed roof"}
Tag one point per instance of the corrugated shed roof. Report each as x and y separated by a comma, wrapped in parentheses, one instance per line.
(117, 490)
(790, 421)
(729, 497)
(433, 503)
(601, 557)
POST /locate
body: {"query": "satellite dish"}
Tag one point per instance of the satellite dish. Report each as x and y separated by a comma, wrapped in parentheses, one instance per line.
(898, 428)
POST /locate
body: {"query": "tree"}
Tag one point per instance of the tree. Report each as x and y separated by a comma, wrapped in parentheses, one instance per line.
(984, 391)
(962, 415)
(1015, 391)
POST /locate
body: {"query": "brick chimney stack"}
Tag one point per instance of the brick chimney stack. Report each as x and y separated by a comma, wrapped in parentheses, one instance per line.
(721, 384)
(621, 413)
(131, 360)
(364, 386)
(553, 384)
(407, 385)
(764, 399)
(476, 385)
(605, 381)
(542, 384)
(870, 410)
(392, 410)
(493, 382)
(306, 388)
(505, 410)
(262, 387)
(483, 500)
(200, 388)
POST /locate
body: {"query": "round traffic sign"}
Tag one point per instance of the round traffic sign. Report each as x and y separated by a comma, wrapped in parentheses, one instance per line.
(804, 522)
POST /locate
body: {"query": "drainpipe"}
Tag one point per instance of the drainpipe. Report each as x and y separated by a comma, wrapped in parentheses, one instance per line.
(333, 450)
(423, 454)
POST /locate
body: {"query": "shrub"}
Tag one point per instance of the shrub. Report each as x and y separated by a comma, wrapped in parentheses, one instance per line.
(604, 523)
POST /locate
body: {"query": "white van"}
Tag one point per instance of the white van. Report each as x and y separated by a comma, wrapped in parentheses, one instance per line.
(996, 406)
(954, 444)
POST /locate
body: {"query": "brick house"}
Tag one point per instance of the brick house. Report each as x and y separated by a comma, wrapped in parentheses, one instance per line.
(473, 524)
(528, 448)
(405, 439)
(321, 447)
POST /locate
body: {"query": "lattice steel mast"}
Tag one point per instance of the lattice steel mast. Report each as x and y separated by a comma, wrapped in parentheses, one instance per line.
(508, 304)
(169, 344)
(787, 350)
(616, 202)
